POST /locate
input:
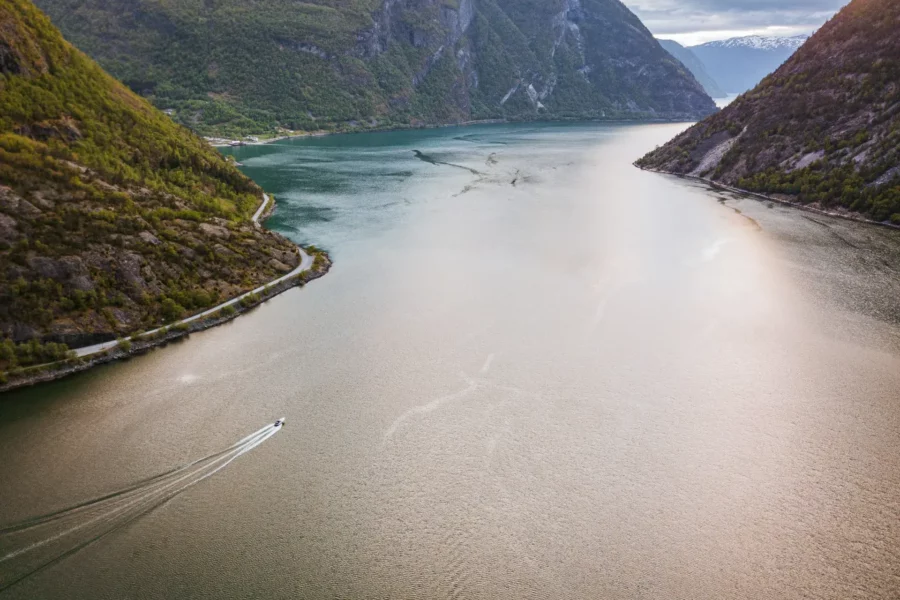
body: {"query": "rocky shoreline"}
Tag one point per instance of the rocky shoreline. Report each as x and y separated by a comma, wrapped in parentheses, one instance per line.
(805, 207)
(44, 373)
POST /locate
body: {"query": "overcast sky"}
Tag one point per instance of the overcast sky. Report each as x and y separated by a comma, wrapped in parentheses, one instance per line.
(693, 22)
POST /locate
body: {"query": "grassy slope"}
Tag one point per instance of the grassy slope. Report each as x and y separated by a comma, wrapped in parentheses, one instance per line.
(231, 66)
(112, 217)
(823, 129)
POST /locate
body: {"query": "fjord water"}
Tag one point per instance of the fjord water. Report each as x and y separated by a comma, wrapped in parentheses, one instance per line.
(534, 371)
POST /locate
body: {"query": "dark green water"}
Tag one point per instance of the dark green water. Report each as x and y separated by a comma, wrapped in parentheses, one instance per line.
(533, 372)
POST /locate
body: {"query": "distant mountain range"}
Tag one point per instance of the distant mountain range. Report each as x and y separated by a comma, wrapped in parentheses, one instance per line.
(761, 42)
(695, 66)
(735, 65)
(230, 67)
(738, 64)
(822, 130)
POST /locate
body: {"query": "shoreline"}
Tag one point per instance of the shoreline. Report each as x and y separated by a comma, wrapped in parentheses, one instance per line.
(220, 142)
(847, 216)
(87, 357)
(172, 333)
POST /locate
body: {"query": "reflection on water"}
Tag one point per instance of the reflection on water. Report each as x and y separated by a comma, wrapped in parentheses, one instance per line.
(544, 374)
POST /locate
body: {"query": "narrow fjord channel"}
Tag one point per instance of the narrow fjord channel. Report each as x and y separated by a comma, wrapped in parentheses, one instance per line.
(534, 371)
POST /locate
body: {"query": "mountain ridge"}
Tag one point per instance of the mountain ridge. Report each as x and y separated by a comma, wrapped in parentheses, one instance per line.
(226, 67)
(738, 64)
(695, 66)
(823, 130)
(113, 218)
(758, 42)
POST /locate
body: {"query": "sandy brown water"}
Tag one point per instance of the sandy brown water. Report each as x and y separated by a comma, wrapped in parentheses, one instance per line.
(533, 372)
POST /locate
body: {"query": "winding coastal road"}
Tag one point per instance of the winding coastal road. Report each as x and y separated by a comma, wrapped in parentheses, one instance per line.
(306, 262)
(262, 207)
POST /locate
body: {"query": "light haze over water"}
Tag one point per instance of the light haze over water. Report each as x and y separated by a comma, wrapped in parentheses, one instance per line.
(534, 371)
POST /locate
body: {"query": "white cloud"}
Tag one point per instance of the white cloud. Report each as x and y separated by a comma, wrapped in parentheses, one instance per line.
(697, 21)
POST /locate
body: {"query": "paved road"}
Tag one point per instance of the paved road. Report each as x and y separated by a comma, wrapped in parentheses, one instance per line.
(306, 262)
(259, 210)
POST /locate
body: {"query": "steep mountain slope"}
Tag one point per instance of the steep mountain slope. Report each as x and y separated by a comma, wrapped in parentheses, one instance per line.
(823, 129)
(232, 66)
(695, 66)
(739, 64)
(112, 217)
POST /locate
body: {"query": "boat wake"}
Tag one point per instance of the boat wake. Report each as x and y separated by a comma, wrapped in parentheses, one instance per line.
(37, 543)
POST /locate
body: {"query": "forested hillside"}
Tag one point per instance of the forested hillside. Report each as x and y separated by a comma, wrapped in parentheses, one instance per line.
(824, 129)
(112, 217)
(232, 66)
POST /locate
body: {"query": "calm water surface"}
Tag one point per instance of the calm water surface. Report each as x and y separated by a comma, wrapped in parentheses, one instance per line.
(533, 372)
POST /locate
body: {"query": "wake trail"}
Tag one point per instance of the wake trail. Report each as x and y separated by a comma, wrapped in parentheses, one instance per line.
(146, 498)
(154, 492)
(137, 486)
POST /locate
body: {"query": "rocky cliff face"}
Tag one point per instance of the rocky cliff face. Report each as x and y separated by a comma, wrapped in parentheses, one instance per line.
(228, 67)
(824, 129)
(112, 218)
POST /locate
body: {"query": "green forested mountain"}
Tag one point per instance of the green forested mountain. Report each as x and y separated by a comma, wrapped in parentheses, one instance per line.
(112, 217)
(824, 129)
(239, 66)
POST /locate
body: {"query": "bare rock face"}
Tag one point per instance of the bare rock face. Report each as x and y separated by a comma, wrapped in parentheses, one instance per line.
(128, 268)
(289, 257)
(69, 270)
(402, 61)
(215, 230)
(13, 204)
(149, 238)
(224, 252)
(824, 129)
(63, 129)
(278, 265)
(8, 229)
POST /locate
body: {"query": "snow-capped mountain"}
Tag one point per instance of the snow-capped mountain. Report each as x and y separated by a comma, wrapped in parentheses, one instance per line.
(761, 42)
(695, 66)
(856, 166)
(738, 64)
